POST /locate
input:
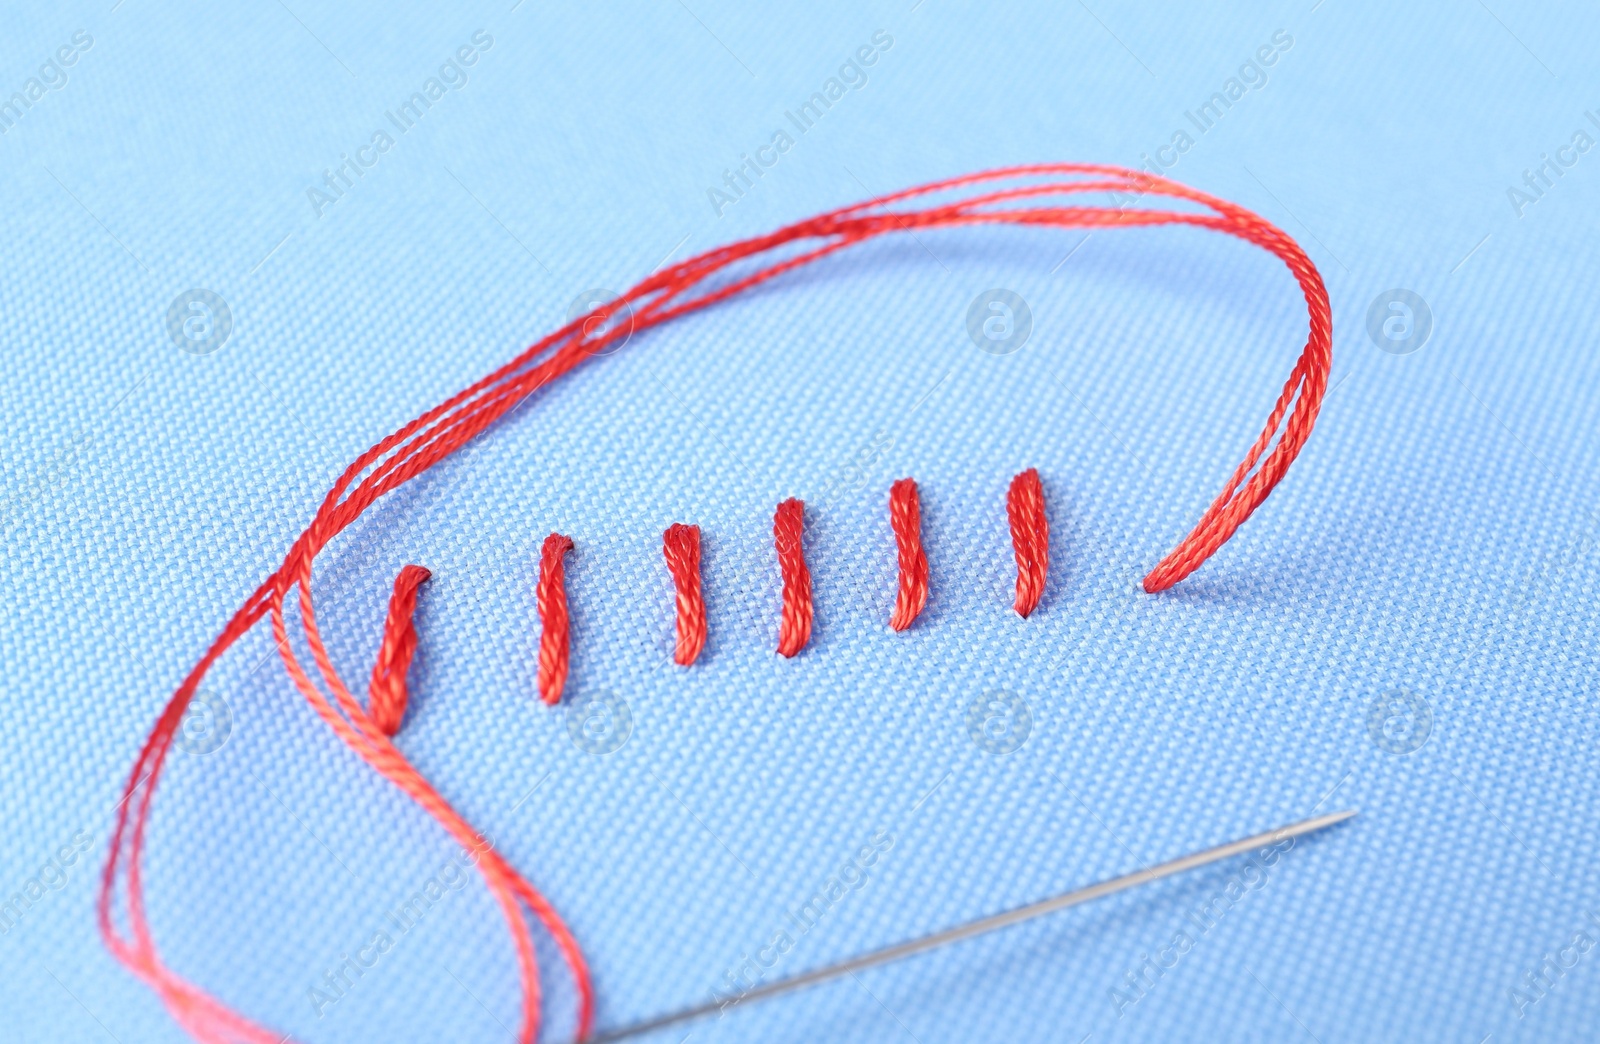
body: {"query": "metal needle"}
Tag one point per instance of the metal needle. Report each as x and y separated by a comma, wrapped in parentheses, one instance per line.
(983, 925)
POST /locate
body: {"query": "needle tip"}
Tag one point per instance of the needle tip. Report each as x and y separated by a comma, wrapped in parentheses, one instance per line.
(1323, 822)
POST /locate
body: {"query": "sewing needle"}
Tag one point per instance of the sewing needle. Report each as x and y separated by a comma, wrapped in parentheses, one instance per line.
(983, 925)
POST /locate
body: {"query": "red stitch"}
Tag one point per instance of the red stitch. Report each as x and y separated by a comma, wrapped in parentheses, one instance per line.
(1030, 538)
(386, 697)
(794, 628)
(681, 546)
(665, 295)
(554, 640)
(905, 518)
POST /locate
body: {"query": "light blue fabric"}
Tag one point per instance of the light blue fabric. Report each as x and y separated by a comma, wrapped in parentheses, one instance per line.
(1436, 538)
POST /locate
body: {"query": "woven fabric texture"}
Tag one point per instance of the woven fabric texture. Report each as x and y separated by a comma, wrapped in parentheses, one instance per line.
(1427, 572)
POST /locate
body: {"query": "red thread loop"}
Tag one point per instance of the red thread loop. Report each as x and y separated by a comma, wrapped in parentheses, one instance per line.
(1030, 538)
(794, 628)
(681, 546)
(905, 518)
(554, 641)
(386, 699)
(1027, 196)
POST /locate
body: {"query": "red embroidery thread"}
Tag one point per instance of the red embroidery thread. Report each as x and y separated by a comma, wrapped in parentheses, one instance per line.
(681, 546)
(665, 295)
(555, 638)
(905, 518)
(794, 626)
(386, 696)
(1030, 539)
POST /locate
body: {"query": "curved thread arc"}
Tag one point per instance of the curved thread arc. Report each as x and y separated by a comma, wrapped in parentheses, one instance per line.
(666, 295)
